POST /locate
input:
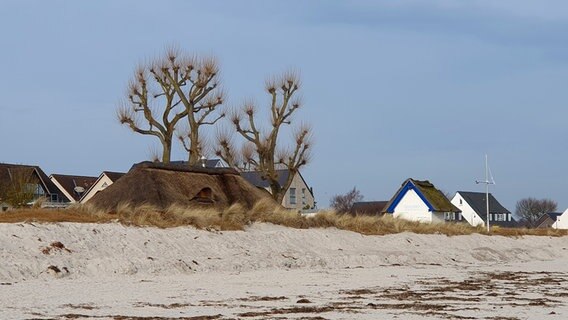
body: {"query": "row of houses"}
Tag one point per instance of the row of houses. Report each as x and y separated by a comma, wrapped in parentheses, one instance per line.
(56, 190)
(61, 190)
(421, 201)
(415, 200)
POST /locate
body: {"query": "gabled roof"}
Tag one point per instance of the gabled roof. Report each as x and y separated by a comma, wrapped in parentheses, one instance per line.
(368, 207)
(6, 170)
(477, 202)
(70, 182)
(432, 197)
(256, 179)
(547, 218)
(113, 176)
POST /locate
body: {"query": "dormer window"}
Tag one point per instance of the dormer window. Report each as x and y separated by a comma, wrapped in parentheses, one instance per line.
(204, 195)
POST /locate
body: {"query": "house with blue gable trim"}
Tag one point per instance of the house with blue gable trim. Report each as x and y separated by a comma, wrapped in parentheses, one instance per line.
(420, 201)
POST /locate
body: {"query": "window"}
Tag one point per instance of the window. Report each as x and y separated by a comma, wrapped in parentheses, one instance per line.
(54, 198)
(205, 195)
(292, 195)
(449, 216)
(303, 196)
(36, 189)
(461, 202)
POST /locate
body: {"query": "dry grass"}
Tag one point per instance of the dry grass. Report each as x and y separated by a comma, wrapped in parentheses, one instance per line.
(237, 218)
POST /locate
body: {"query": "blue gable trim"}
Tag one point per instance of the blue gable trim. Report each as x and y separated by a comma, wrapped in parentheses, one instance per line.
(407, 187)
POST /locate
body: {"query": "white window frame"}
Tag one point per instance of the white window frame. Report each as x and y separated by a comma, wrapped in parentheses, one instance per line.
(292, 195)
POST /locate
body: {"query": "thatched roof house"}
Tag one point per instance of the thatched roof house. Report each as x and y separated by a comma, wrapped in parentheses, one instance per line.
(418, 200)
(163, 185)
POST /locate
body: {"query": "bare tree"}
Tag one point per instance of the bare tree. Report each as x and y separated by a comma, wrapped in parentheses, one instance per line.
(261, 150)
(19, 191)
(200, 95)
(531, 209)
(168, 90)
(343, 202)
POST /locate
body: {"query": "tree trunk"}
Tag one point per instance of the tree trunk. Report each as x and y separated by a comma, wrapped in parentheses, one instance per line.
(167, 150)
(194, 152)
(277, 192)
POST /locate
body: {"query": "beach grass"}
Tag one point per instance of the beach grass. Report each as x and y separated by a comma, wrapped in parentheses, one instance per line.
(236, 217)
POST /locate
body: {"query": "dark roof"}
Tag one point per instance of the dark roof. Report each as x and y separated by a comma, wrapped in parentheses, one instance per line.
(255, 178)
(69, 183)
(113, 176)
(547, 219)
(477, 202)
(554, 215)
(368, 207)
(434, 198)
(49, 187)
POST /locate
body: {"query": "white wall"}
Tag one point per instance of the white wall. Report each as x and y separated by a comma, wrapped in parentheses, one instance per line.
(98, 186)
(561, 221)
(467, 211)
(411, 207)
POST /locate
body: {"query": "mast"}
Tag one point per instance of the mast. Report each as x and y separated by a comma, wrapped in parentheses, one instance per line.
(487, 192)
(487, 183)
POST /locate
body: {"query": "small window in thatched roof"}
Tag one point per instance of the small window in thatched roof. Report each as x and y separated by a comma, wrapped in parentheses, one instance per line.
(205, 195)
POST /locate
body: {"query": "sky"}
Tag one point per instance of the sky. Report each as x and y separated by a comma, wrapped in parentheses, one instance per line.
(393, 89)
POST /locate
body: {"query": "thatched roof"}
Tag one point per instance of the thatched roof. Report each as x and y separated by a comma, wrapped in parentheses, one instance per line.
(162, 185)
(434, 198)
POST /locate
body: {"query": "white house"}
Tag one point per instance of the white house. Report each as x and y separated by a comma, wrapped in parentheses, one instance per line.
(561, 221)
(473, 208)
(420, 201)
(105, 179)
(298, 196)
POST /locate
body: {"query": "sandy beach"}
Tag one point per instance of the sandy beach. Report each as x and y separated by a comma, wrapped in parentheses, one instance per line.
(111, 271)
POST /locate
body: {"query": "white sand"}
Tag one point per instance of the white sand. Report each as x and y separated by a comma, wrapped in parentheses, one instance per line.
(112, 270)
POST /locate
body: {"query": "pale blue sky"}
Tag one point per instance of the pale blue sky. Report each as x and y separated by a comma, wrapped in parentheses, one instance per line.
(394, 89)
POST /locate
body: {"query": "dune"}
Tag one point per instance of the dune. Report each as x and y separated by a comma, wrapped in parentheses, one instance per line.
(89, 270)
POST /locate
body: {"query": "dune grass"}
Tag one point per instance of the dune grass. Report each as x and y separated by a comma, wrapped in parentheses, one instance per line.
(237, 218)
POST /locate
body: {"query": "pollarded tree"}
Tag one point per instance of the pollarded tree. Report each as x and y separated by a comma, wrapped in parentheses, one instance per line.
(531, 209)
(261, 150)
(168, 90)
(201, 96)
